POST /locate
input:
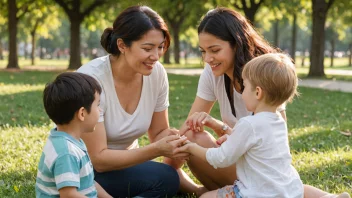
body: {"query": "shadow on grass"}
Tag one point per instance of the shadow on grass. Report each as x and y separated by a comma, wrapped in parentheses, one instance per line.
(17, 184)
(24, 108)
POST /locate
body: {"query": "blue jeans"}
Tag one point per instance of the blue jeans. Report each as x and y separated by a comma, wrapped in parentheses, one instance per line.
(149, 179)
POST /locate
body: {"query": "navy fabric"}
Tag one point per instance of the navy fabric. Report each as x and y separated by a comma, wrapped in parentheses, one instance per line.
(149, 179)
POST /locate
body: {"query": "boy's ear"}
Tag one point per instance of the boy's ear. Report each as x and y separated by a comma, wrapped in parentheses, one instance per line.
(259, 93)
(81, 114)
(121, 45)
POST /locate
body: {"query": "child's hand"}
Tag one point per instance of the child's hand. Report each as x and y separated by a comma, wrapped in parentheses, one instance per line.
(222, 139)
(168, 144)
(198, 120)
(184, 148)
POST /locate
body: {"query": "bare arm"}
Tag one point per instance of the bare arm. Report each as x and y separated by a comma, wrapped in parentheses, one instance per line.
(199, 117)
(69, 192)
(159, 129)
(105, 159)
(199, 105)
(158, 126)
(195, 150)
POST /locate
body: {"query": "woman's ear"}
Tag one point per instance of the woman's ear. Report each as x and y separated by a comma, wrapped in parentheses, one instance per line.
(81, 114)
(121, 45)
(259, 93)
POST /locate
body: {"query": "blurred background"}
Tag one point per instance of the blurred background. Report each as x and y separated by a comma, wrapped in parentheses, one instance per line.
(316, 33)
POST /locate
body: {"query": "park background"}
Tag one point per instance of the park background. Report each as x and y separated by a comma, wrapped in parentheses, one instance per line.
(39, 39)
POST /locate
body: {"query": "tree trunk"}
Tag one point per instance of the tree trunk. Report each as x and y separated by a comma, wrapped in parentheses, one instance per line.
(305, 55)
(332, 42)
(33, 48)
(250, 14)
(186, 51)
(276, 33)
(41, 55)
(320, 9)
(75, 43)
(12, 25)
(294, 37)
(350, 56)
(1, 51)
(252, 10)
(167, 57)
(25, 52)
(176, 36)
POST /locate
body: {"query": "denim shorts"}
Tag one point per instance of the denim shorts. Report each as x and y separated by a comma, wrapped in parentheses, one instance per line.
(230, 191)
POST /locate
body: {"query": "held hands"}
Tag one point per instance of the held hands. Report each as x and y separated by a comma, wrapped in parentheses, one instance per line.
(168, 145)
(186, 147)
(196, 122)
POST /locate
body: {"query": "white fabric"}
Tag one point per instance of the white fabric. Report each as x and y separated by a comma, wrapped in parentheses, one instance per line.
(212, 88)
(123, 129)
(69, 176)
(259, 146)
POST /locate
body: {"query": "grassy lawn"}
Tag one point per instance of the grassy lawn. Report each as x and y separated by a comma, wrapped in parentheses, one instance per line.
(321, 154)
(61, 64)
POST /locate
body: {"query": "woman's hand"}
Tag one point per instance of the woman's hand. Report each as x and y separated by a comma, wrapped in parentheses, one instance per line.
(198, 120)
(168, 144)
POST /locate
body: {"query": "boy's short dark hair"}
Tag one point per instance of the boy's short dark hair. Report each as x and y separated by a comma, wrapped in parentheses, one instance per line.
(68, 93)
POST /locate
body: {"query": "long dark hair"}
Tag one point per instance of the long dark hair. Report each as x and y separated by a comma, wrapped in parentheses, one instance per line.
(231, 26)
(130, 25)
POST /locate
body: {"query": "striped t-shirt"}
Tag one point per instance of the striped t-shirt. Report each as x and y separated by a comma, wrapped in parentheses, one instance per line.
(64, 163)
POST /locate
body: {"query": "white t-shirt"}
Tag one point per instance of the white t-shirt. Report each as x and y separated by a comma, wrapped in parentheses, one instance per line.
(259, 146)
(124, 129)
(212, 88)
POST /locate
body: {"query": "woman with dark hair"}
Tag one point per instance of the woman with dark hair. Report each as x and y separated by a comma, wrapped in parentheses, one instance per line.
(134, 100)
(227, 42)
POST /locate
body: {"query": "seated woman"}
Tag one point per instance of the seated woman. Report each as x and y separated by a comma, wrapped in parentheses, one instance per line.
(134, 100)
(227, 42)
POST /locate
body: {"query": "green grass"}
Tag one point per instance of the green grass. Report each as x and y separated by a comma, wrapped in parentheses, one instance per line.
(322, 156)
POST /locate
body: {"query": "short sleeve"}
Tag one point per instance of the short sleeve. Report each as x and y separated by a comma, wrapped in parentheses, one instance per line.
(237, 144)
(66, 171)
(163, 97)
(206, 85)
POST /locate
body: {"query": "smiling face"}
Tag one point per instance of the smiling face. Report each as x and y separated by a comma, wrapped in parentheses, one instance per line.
(217, 53)
(142, 55)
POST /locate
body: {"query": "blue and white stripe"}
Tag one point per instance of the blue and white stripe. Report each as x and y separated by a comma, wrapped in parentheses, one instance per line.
(64, 162)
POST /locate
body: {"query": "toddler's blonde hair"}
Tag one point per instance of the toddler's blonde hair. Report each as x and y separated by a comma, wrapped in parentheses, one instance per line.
(275, 74)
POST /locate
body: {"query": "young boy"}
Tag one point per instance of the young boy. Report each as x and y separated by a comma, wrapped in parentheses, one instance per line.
(65, 169)
(258, 144)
